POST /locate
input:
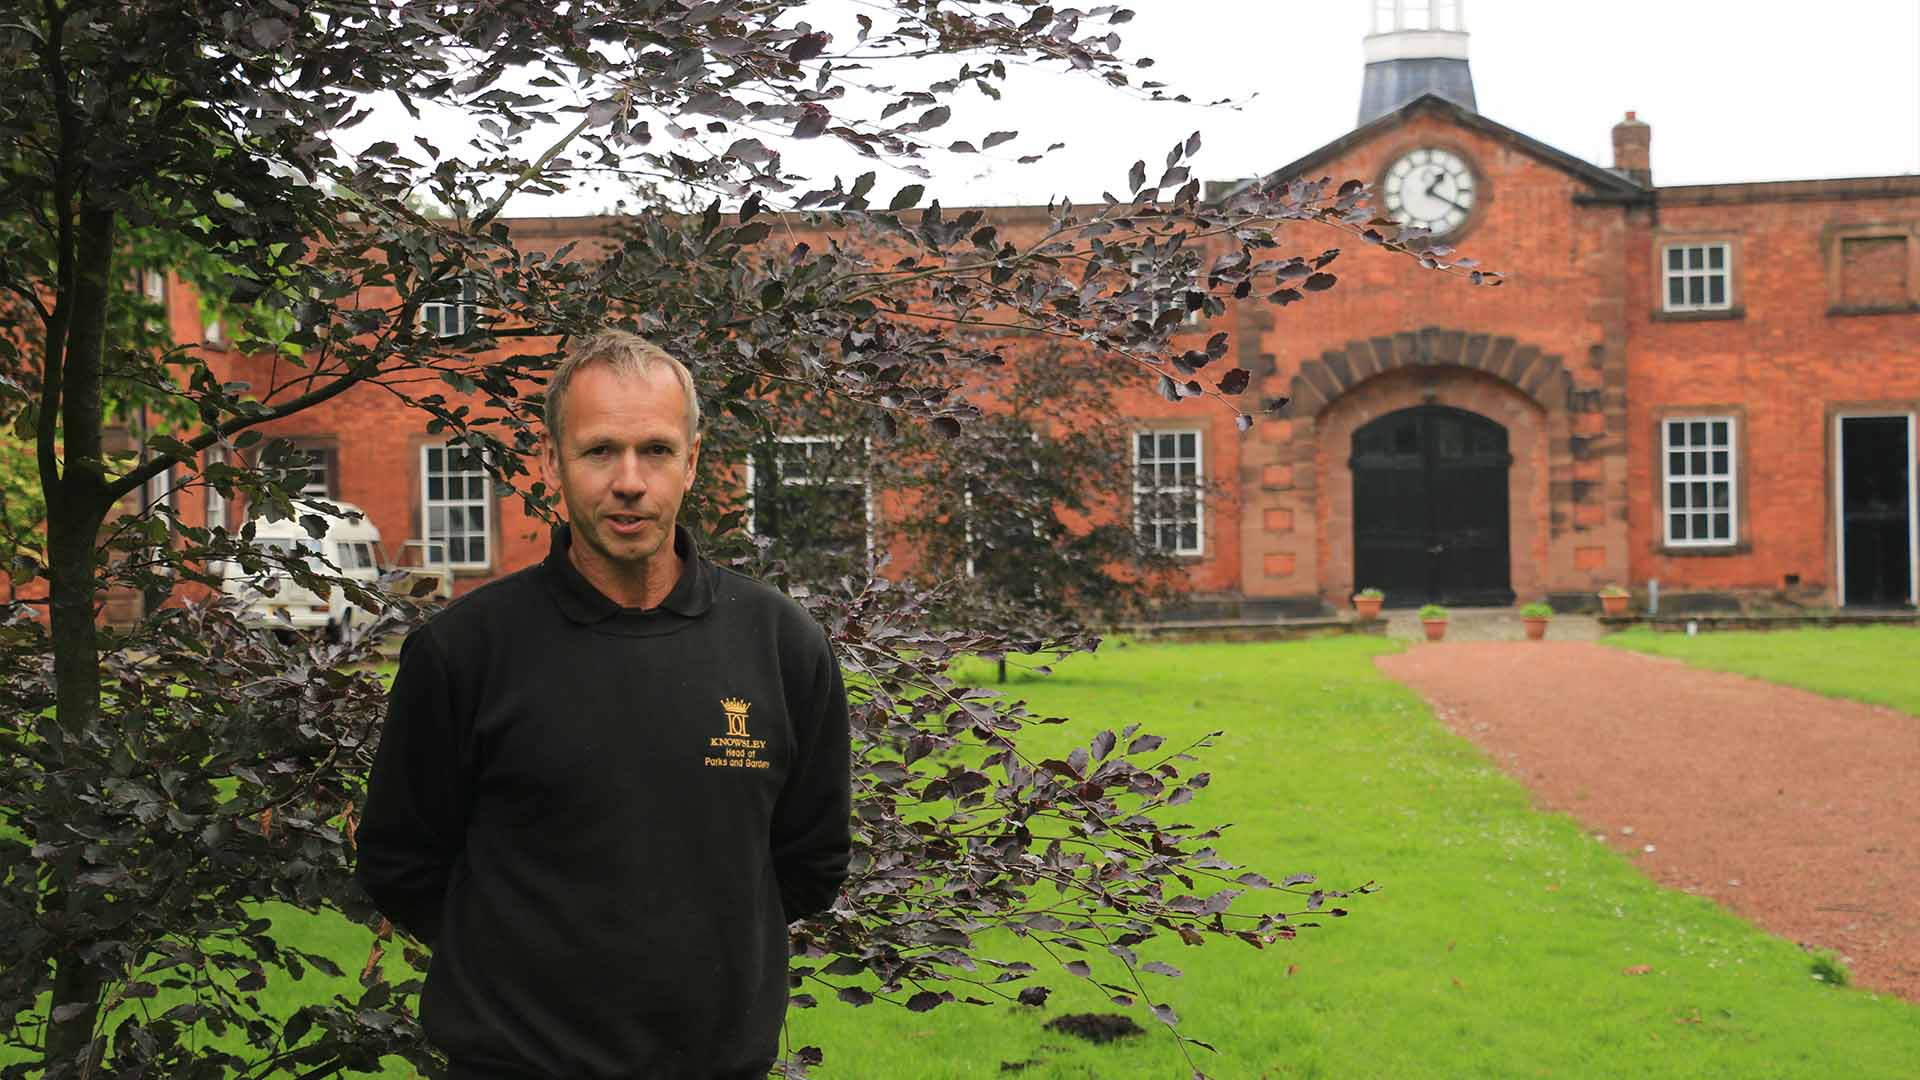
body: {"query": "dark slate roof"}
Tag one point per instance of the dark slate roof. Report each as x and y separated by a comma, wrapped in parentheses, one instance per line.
(1390, 84)
(1606, 184)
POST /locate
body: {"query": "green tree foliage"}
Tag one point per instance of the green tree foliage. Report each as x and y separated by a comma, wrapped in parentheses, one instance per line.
(159, 782)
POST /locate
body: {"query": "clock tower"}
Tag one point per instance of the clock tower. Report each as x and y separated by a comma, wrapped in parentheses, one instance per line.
(1417, 47)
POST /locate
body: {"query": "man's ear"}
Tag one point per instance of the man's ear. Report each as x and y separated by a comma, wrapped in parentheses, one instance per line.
(693, 458)
(550, 462)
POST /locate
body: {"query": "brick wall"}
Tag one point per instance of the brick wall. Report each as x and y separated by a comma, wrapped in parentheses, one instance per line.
(1543, 354)
(1794, 352)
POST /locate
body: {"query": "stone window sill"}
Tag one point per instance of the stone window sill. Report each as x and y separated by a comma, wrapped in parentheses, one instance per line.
(1716, 315)
(1848, 310)
(1707, 552)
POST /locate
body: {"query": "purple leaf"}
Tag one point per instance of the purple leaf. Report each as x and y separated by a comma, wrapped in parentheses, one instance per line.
(813, 120)
(1078, 967)
(807, 46)
(1319, 282)
(1166, 1015)
(1158, 967)
(1103, 745)
(1034, 995)
(1236, 381)
(924, 1001)
(855, 996)
(996, 139)
(907, 197)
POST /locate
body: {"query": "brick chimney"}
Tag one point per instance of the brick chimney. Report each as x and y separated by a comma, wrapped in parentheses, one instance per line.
(1633, 150)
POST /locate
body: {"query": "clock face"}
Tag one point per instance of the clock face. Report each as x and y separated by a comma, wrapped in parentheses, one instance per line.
(1433, 189)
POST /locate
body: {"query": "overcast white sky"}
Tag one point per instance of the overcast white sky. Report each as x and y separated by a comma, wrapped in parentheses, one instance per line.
(1734, 89)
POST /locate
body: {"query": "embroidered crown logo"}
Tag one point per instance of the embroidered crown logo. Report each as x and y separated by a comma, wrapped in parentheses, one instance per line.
(736, 710)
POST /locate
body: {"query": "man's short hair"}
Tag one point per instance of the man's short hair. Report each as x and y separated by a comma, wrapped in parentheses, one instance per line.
(626, 354)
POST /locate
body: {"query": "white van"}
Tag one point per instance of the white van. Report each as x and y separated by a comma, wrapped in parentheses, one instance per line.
(350, 543)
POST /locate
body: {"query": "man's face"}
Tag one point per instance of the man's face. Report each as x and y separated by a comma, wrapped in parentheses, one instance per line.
(623, 464)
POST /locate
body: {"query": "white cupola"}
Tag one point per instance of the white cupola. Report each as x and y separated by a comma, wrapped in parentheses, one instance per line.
(1417, 47)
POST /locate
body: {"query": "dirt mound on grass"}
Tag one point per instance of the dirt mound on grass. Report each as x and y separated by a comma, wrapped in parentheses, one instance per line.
(1095, 1027)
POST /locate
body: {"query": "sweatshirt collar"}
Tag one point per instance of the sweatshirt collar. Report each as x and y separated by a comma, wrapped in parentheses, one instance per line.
(690, 597)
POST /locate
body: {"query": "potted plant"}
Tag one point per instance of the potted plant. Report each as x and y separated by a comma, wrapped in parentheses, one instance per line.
(1367, 602)
(1535, 618)
(1613, 600)
(1434, 618)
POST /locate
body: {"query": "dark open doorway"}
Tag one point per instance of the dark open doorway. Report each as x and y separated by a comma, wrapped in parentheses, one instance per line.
(1876, 511)
(1430, 508)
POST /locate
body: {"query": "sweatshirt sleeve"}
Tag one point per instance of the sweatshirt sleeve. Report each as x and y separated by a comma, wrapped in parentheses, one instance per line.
(415, 821)
(812, 832)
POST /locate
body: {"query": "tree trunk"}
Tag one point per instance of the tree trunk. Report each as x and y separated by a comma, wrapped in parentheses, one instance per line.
(76, 507)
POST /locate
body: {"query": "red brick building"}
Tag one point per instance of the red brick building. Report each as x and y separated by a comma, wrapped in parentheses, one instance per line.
(1712, 387)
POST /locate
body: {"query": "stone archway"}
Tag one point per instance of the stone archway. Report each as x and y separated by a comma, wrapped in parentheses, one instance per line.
(1567, 480)
(1542, 377)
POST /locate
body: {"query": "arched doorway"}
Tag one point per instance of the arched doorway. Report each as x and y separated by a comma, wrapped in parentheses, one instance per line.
(1430, 508)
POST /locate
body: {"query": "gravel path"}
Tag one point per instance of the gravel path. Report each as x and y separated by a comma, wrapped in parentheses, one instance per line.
(1798, 812)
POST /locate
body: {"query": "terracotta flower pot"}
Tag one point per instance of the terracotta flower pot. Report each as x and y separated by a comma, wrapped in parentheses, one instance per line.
(1436, 628)
(1613, 605)
(1368, 607)
(1536, 627)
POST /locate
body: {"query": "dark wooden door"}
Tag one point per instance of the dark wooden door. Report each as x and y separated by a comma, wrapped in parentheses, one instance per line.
(1875, 518)
(1430, 508)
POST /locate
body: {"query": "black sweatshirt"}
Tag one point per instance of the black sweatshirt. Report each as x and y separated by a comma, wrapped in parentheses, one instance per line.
(602, 819)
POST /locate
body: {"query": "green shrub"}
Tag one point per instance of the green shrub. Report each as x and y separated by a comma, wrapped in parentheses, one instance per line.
(1537, 611)
(1433, 611)
(1369, 594)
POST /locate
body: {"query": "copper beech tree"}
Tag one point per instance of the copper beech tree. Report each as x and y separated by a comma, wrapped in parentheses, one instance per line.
(161, 782)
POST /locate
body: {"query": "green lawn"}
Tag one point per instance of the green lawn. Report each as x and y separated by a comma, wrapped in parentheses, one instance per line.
(1878, 664)
(1498, 947)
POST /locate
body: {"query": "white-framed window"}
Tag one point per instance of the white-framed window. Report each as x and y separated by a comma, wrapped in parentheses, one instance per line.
(1142, 268)
(978, 556)
(457, 505)
(453, 318)
(163, 489)
(214, 333)
(216, 501)
(1697, 277)
(320, 462)
(1700, 496)
(1169, 508)
(833, 515)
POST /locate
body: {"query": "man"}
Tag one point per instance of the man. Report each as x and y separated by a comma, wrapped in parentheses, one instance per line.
(606, 783)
